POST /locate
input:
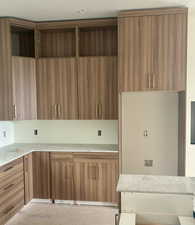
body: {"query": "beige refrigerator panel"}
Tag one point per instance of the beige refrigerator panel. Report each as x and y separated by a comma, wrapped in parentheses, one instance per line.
(150, 133)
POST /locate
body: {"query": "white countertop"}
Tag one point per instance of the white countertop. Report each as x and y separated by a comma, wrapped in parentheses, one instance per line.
(15, 151)
(155, 184)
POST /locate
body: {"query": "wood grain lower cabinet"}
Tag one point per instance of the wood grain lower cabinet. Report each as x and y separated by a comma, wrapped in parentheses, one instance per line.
(96, 177)
(28, 177)
(11, 189)
(41, 175)
(62, 176)
(84, 177)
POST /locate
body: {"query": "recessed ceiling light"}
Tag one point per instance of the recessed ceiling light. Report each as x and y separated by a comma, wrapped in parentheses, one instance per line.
(81, 11)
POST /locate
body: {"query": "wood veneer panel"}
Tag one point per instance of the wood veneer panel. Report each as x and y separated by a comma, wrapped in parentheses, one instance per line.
(24, 88)
(62, 174)
(58, 43)
(41, 175)
(6, 101)
(57, 85)
(97, 87)
(28, 177)
(98, 41)
(96, 179)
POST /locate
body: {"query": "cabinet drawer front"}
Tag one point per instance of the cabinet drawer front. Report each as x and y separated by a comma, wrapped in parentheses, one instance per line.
(8, 198)
(11, 206)
(94, 155)
(11, 183)
(11, 169)
(62, 156)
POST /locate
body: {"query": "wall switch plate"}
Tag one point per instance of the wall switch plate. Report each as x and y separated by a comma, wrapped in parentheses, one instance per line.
(4, 134)
(99, 133)
(148, 163)
(35, 132)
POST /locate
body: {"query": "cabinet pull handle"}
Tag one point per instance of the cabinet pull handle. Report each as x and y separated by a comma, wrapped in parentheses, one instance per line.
(9, 168)
(14, 111)
(116, 219)
(8, 187)
(100, 111)
(59, 110)
(56, 111)
(148, 81)
(8, 210)
(153, 81)
(97, 111)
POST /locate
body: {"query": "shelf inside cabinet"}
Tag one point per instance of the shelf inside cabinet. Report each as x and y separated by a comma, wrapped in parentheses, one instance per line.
(98, 41)
(22, 42)
(57, 43)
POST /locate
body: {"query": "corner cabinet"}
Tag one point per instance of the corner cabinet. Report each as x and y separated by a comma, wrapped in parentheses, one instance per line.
(152, 49)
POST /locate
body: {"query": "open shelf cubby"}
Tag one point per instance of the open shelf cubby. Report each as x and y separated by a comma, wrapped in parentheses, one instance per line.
(58, 43)
(98, 41)
(22, 42)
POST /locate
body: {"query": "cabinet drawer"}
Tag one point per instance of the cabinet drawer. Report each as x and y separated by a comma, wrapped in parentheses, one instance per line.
(11, 206)
(95, 155)
(11, 183)
(10, 170)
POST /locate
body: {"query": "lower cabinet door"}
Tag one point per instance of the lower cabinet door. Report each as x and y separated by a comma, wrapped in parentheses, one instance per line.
(62, 176)
(96, 178)
(41, 175)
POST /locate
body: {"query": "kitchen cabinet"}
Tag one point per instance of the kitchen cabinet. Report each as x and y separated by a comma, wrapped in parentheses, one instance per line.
(6, 101)
(84, 176)
(62, 176)
(97, 87)
(11, 189)
(96, 176)
(28, 177)
(57, 88)
(24, 88)
(152, 50)
(41, 175)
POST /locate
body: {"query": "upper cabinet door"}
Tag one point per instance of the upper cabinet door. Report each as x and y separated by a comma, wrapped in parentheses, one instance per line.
(97, 87)
(169, 47)
(133, 53)
(57, 88)
(152, 50)
(6, 100)
(24, 88)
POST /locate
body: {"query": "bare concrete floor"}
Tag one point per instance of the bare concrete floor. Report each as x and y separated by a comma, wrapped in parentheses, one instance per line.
(60, 214)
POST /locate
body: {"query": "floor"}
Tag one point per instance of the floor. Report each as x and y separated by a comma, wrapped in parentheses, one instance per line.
(61, 214)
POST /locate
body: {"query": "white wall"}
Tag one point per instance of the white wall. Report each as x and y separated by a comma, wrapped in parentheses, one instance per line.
(66, 131)
(156, 112)
(8, 137)
(190, 149)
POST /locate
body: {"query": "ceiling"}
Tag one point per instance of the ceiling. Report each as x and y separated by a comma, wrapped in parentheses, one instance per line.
(40, 10)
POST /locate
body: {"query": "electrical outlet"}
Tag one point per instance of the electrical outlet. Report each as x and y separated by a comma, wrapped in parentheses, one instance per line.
(4, 134)
(99, 133)
(148, 163)
(35, 132)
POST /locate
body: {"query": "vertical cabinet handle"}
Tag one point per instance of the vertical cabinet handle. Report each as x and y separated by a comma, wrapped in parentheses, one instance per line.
(99, 111)
(55, 111)
(58, 111)
(148, 81)
(14, 111)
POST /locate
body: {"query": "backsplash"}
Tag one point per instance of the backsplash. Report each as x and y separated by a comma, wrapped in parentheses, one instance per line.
(6, 133)
(66, 131)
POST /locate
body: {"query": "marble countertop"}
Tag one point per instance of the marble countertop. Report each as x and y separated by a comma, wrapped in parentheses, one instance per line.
(155, 184)
(15, 151)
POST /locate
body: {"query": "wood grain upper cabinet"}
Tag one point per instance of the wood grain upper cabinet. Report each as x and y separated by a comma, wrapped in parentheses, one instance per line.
(41, 175)
(24, 88)
(96, 177)
(97, 87)
(6, 100)
(62, 176)
(152, 50)
(57, 88)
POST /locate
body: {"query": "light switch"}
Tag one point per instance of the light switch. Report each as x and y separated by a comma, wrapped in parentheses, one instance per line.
(148, 163)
